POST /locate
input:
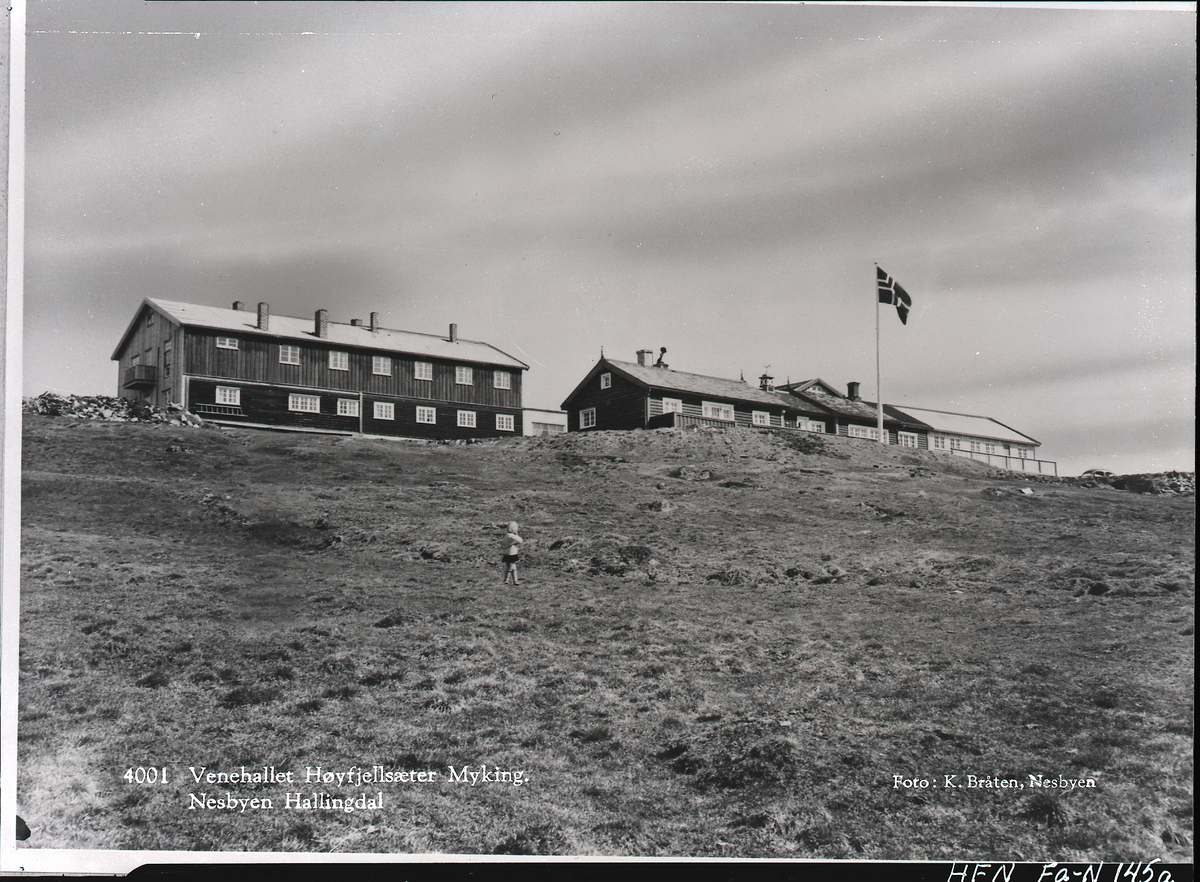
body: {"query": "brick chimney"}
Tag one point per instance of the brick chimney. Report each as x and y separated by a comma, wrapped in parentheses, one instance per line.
(321, 323)
(264, 317)
(238, 305)
(374, 321)
(852, 391)
(453, 333)
(644, 356)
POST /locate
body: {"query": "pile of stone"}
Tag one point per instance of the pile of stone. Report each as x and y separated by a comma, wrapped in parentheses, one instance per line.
(102, 407)
(1176, 483)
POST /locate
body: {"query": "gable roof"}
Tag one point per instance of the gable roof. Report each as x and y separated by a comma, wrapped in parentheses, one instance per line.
(682, 382)
(284, 327)
(965, 424)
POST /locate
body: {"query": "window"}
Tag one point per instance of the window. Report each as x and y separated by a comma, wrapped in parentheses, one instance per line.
(463, 376)
(864, 432)
(304, 403)
(423, 370)
(939, 442)
(955, 443)
(167, 360)
(502, 380)
(504, 422)
(587, 418)
(348, 407)
(976, 446)
(606, 381)
(385, 410)
(229, 395)
(672, 405)
(1023, 452)
(906, 439)
(718, 411)
(466, 419)
(426, 415)
(760, 418)
(339, 361)
(814, 426)
(289, 354)
(227, 343)
(381, 366)
(989, 447)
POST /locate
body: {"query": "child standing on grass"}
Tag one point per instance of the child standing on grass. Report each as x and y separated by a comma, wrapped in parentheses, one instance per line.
(512, 543)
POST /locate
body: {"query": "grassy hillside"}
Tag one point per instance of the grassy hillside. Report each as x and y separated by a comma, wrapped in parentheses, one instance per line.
(724, 644)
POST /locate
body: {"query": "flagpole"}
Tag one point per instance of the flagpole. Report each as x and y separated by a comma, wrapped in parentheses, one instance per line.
(878, 372)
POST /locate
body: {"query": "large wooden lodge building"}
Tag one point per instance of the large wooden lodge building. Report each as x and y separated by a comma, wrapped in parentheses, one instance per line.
(649, 395)
(251, 368)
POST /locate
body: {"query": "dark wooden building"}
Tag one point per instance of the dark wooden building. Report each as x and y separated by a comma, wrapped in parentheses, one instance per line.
(649, 395)
(237, 367)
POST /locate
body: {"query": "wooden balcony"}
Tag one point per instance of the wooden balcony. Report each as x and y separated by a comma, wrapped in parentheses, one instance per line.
(140, 376)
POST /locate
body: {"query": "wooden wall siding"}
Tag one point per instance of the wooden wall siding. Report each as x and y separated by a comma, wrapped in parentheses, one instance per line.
(446, 428)
(623, 406)
(265, 404)
(149, 334)
(257, 360)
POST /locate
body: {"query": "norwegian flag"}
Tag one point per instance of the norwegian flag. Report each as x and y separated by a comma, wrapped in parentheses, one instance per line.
(891, 292)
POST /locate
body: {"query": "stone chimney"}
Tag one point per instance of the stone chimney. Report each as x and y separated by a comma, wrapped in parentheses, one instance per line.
(453, 333)
(644, 356)
(238, 305)
(321, 323)
(264, 317)
(766, 383)
(852, 391)
(374, 321)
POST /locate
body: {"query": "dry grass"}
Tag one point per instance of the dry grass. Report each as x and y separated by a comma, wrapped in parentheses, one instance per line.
(724, 645)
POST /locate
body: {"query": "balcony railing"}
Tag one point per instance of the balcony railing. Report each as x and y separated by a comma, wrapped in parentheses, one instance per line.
(1012, 463)
(139, 376)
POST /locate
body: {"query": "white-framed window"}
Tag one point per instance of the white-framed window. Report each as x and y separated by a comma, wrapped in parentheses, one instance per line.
(1023, 452)
(464, 376)
(587, 418)
(304, 403)
(714, 411)
(814, 426)
(348, 407)
(466, 419)
(864, 432)
(229, 395)
(672, 405)
(760, 418)
(381, 366)
(289, 354)
(339, 361)
(505, 423)
(606, 381)
(939, 442)
(989, 447)
(976, 446)
(426, 415)
(423, 370)
(955, 443)
(385, 410)
(906, 439)
(227, 343)
(501, 380)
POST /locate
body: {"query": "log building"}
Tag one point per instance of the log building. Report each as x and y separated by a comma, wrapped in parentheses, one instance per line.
(239, 367)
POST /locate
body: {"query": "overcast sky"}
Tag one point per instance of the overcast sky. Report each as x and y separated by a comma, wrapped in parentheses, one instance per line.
(717, 179)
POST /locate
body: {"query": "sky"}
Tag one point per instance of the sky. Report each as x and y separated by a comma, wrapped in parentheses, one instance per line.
(564, 179)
